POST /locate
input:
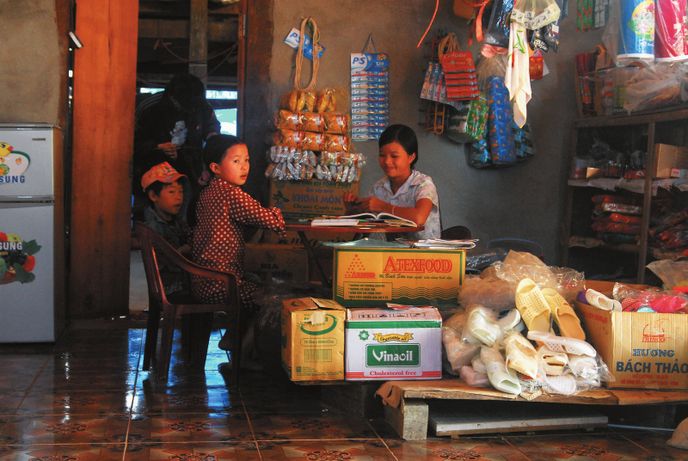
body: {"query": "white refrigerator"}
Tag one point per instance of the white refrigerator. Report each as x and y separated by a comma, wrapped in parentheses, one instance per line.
(32, 233)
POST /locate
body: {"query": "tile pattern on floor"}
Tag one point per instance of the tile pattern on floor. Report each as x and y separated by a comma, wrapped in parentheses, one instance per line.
(86, 398)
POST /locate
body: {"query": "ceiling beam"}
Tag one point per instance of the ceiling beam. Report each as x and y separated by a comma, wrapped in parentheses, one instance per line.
(218, 31)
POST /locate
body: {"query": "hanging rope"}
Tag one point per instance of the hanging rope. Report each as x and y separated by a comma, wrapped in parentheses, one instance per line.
(448, 44)
(299, 55)
(437, 7)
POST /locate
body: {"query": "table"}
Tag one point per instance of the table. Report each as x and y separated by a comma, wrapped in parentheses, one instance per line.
(373, 228)
(408, 410)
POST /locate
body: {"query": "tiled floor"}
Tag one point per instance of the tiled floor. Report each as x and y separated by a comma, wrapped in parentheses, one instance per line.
(87, 398)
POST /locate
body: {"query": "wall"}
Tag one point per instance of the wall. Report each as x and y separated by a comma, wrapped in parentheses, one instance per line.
(522, 201)
(33, 58)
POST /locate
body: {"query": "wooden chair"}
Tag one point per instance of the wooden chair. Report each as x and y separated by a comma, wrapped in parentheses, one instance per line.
(153, 247)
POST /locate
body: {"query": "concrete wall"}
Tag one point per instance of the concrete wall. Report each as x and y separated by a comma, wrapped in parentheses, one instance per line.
(33, 58)
(522, 201)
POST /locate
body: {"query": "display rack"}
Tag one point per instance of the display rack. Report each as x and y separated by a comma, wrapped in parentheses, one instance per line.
(646, 129)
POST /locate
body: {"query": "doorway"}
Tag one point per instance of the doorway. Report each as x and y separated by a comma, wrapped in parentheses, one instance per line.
(199, 37)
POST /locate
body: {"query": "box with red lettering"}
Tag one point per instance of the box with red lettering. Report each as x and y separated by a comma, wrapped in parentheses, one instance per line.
(643, 350)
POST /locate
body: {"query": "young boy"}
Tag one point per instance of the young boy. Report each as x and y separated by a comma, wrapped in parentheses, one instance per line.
(164, 188)
(222, 211)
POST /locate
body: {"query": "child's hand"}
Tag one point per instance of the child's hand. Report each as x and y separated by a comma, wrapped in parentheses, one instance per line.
(169, 149)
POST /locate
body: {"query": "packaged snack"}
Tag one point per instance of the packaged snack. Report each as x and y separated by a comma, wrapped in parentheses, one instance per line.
(310, 98)
(288, 120)
(289, 138)
(336, 143)
(313, 141)
(312, 121)
(336, 123)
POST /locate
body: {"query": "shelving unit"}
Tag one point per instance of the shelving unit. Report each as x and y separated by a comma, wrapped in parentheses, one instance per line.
(641, 131)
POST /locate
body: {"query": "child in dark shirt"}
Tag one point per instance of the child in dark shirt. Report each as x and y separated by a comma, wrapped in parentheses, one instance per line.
(164, 187)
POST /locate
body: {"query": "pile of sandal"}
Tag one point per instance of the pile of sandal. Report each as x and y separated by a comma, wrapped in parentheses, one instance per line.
(537, 346)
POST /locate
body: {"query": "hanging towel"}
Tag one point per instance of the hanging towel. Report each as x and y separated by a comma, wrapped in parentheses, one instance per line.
(517, 78)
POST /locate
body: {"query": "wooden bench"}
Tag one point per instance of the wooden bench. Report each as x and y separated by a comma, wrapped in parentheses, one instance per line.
(410, 418)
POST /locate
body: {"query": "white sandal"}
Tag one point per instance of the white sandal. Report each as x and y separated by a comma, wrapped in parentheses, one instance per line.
(562, 344)
(499, 375)
(597, 299)
(481, 325)
(553, 363)
(521, 356)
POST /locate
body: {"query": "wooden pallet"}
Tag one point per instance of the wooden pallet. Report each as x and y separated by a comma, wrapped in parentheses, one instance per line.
(411, 416)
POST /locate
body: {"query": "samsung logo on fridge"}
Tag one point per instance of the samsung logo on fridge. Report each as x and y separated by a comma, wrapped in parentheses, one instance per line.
(21, 179)
(13, 164)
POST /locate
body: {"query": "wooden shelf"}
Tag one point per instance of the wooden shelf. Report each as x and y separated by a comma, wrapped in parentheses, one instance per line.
(621, 247)
(638, 118)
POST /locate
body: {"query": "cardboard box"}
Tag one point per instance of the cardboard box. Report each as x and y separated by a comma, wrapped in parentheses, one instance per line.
(310, 198)
(642, 350)
(386, 344)
(371, 277)
(287, 262)
(313, 339)
(669, 157)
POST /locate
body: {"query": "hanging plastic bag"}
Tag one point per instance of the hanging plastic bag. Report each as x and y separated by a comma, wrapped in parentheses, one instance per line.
(498, 28)
(459, 70)
(535, 14)
(500, 136)
(468, 124)
(523, 142)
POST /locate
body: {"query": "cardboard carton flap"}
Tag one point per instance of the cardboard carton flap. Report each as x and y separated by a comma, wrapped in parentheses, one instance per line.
(305, 304)
(393, 315)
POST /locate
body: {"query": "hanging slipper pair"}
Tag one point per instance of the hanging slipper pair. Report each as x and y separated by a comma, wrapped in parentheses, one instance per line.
(538, 306)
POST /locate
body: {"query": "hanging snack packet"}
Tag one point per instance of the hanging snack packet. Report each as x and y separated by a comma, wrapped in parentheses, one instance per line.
(336, 123)
(288, 120)
(289, 138)
(313, 141)
(312, 121)
(336, 143)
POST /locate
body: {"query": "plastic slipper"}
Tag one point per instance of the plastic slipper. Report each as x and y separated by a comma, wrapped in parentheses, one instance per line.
(597, 299)
(521, 356)
(552, 362)
(499, 375)
(478, 365)
(561, 344)
(511, 321)
(564, 315)
(564, 385)
(532, 306)
(481, 325)
(473, 378)
(584, 367)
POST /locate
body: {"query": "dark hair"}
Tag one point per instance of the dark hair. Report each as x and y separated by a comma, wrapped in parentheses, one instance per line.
(404, 136)
(216, 147)
(156, 187)
(187, 90)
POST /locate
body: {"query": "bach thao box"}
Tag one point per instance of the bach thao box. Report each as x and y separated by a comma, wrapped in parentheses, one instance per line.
(387, 344)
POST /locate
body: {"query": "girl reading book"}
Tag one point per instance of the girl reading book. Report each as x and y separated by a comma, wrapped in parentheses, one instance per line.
(403, 191)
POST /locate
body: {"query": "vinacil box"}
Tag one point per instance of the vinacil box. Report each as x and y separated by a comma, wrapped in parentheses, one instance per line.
(387, 344)
(313, 339)
(373, 277)
(643, 350)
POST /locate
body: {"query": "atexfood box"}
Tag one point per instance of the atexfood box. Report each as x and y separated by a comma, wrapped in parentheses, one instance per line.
(386, 344)
(372, 277)
(313, 339)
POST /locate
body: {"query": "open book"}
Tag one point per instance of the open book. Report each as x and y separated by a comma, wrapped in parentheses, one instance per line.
(387, 219)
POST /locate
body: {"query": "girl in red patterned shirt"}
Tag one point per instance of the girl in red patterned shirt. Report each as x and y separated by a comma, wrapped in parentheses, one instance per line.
(222, 211)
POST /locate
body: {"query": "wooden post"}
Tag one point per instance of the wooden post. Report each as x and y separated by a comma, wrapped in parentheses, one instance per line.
(103, 132)
(198, 39)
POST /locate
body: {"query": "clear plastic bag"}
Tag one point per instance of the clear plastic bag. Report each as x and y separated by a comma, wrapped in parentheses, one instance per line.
(656, 85)
(672, 273)
(489, 291)
(457, 351)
